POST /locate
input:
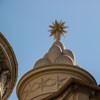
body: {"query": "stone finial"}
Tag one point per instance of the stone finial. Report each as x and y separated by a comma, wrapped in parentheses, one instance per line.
(57, 29)
(57, 54)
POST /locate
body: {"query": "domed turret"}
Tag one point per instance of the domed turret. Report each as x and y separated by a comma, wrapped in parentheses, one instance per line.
(51, 72)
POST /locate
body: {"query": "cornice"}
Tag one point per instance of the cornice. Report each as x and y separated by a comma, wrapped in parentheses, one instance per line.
(55, 70)
(70, 83)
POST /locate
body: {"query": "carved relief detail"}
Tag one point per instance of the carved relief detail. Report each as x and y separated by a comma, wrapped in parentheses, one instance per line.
(42, 84)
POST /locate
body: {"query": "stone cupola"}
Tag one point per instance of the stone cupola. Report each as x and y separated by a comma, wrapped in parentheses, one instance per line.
(52, 72)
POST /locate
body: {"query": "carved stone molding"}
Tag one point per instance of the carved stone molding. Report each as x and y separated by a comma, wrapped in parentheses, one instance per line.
(43, 83)
(4, 79)
(48, 79)
(8, 67)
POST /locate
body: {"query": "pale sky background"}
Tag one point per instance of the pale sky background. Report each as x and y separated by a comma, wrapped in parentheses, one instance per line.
(25, 25)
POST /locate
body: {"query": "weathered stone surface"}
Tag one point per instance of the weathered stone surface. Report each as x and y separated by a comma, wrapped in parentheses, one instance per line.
(8, 67)
(57, 54)
(49, 79)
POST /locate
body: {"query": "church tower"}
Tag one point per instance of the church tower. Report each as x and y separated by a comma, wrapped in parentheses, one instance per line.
(56, 76)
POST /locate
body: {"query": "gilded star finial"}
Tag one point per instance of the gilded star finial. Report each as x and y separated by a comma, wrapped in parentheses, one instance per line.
(58, 29)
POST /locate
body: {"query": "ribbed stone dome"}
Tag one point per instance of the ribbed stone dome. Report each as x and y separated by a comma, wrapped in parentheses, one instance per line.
(42, 62)
(57, 54)
(64, 59)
